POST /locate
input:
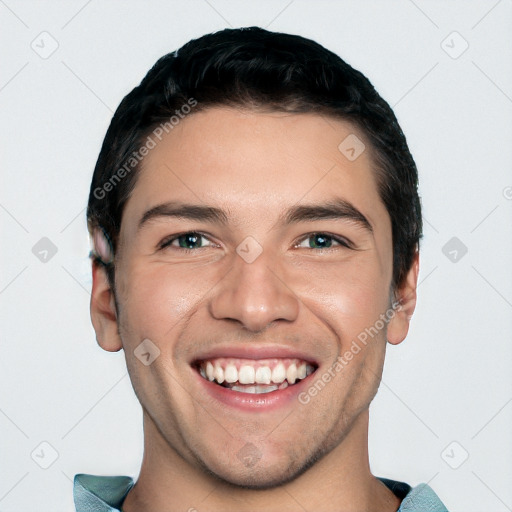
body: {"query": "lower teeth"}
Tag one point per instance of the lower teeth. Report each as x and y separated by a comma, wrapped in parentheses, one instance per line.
(257, 389)
(254, 389)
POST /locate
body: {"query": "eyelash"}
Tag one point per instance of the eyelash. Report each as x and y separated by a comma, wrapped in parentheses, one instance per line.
(168, 241)
(343, 242)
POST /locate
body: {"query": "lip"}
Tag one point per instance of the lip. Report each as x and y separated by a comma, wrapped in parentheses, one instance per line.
(248, 401)
(253, 402)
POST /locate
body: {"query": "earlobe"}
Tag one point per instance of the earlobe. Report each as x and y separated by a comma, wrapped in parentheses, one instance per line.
(405, 299)
(103, 311)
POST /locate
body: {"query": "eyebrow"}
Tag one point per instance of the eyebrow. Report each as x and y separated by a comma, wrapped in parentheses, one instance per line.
(185, 211)
(336, 209)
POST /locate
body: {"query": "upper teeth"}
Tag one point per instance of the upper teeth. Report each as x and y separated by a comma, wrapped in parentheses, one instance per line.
(255, 371)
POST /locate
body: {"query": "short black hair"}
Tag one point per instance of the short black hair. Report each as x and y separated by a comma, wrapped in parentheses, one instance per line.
(256, 69)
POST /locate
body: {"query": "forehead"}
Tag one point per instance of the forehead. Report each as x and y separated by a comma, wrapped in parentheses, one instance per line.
(255, 164)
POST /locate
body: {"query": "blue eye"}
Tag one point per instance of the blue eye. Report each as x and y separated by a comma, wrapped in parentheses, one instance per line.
(192, 240)
(323, 241)
(187, 241)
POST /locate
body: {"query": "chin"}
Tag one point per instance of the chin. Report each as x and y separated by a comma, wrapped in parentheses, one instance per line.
(260, 479)
(263, 476)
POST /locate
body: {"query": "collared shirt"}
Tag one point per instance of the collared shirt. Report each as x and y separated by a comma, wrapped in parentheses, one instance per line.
(106, 494)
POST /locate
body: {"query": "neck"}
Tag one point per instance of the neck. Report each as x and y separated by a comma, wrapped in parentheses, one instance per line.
(341, 480)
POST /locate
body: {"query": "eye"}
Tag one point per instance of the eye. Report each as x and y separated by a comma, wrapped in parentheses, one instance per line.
(323, 241)
(186, 241)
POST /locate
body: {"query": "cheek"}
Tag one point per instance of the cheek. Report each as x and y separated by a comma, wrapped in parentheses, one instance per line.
(349, 298)
(156, 298)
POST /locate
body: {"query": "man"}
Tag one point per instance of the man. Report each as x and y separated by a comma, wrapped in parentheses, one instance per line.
(256, 221)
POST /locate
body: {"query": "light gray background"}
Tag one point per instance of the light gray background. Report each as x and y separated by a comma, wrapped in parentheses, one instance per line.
(448, 382)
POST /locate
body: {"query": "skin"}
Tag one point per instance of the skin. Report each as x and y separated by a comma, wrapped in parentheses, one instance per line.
(254, 165)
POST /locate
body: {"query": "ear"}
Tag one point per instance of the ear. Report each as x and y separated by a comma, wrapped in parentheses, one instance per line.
(103, 310)
(405, 298)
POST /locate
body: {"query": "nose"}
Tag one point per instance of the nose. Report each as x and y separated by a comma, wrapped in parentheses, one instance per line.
(254, 294)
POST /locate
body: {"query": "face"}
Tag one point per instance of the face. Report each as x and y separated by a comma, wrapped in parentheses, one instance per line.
(253, 254)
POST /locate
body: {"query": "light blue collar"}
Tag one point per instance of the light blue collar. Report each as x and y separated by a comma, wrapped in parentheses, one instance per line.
(106, 494)
(100, 493)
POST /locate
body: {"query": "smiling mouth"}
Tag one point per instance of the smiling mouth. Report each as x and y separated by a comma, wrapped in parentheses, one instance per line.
(254, 376)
